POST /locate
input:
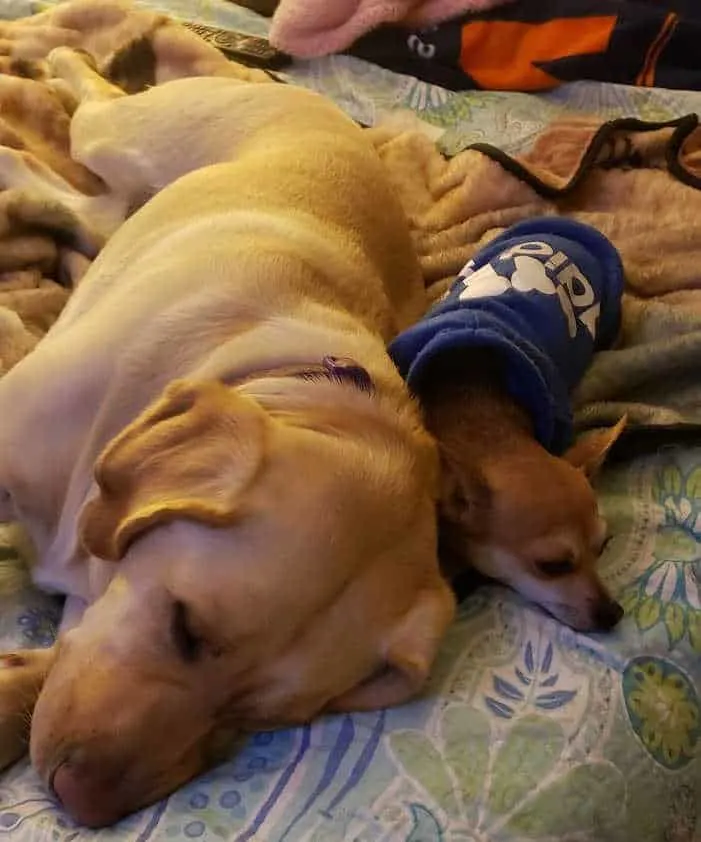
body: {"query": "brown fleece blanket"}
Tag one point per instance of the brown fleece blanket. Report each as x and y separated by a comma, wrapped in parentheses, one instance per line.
(636, 182)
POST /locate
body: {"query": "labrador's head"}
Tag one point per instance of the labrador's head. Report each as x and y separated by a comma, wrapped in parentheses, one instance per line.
(267, 568)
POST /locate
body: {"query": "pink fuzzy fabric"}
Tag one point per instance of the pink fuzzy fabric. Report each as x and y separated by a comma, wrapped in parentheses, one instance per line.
(310, 28)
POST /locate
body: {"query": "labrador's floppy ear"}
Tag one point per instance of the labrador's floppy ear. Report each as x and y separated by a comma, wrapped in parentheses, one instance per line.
(591, 449)
(191, 454)
(408, 654)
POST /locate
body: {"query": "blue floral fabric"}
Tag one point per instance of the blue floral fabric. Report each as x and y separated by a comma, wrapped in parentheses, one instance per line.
(529, 731)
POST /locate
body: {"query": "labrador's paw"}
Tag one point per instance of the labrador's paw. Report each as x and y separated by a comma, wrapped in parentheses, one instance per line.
(22, 674)
(70, 64)
(79, 73)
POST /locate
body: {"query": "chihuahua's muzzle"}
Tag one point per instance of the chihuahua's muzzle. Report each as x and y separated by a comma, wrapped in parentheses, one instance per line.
(607, 614)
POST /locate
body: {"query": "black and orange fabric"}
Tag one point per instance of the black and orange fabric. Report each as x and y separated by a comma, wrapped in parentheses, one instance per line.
(536, 45)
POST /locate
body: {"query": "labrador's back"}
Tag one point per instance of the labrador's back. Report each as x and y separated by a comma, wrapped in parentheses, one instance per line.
(285, 151)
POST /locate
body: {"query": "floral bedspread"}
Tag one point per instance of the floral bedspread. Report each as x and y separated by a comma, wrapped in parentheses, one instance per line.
(529, 731)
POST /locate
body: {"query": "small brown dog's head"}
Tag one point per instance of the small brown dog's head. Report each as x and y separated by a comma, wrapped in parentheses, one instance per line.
(531, 521)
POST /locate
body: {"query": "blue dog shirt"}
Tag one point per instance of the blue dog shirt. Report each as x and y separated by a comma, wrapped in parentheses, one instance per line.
(546, 294)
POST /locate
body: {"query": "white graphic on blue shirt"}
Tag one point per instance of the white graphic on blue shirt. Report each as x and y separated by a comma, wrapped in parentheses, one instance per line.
(537, 268)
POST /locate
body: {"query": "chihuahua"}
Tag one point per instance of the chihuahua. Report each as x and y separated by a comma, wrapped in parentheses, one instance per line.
(493, 365)
(509, 508)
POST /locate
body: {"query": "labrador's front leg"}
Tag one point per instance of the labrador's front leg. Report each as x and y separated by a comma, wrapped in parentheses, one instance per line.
(22, 675)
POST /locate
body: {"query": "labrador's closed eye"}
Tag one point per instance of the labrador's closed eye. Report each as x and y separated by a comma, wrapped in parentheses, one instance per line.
(188, 644)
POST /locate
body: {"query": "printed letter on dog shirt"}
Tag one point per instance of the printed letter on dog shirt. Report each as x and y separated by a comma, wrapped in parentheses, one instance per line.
(547, 294)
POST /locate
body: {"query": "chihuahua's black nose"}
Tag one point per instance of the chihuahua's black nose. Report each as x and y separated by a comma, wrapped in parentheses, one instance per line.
(607, 614)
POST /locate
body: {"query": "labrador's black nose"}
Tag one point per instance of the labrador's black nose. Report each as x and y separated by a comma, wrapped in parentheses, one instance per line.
(607, 614)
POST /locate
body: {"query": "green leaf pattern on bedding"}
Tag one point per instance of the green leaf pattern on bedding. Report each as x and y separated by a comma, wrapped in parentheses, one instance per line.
(669, 591)
(567, 736)
(587, 798)
(549, 774)
(506, 777)
(663, 707)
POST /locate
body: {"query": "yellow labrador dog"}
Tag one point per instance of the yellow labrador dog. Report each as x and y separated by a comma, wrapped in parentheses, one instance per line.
(211, 450)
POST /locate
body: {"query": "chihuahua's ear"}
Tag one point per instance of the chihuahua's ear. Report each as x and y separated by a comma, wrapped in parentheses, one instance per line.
(465, 498)
(408, 654)
(591, 449)
(191, 454)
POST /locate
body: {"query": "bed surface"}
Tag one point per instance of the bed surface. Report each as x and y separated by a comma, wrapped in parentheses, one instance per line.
(529, 730)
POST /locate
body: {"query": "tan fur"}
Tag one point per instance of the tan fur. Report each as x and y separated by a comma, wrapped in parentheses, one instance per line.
(35, 124)
(169, 464)
(508, 507)
(256, 547)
